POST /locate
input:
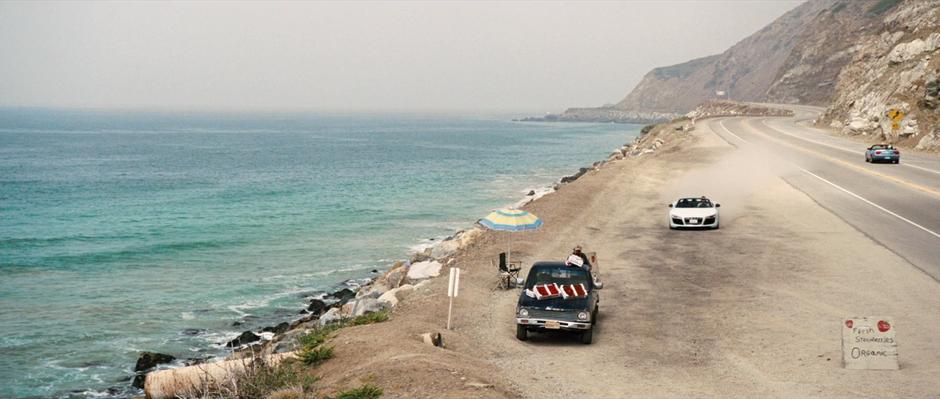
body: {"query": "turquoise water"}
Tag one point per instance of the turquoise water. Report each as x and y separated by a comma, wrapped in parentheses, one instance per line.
(130, 231)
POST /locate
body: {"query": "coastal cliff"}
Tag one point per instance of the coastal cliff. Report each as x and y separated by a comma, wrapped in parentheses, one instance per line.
(861, 59)
(891, 89)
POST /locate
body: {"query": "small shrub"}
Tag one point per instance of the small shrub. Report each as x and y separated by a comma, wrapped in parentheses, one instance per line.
(364, 392)
(370, 318)
(882, 6)
(288, 393)
(646, 129)
(285, 380)
(316, 337)
(315, 355)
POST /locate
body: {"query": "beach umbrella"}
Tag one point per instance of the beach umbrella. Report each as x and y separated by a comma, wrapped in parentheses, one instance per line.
(511, 220)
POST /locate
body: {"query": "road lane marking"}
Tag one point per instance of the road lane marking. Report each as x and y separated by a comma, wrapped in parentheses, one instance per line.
(850, 165)
(722, 123)
(863, 199)
(905, 163)
(859, 197)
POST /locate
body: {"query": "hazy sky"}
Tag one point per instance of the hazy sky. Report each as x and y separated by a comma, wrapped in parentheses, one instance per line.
(354, 56)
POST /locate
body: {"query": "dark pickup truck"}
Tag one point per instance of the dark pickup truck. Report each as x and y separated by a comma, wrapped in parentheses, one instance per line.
(574, 313)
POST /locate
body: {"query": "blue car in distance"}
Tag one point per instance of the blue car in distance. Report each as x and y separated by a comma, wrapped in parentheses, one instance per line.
(882, 153)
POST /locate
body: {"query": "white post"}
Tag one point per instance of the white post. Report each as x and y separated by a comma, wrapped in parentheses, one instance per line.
(509, 254)
(453, 285)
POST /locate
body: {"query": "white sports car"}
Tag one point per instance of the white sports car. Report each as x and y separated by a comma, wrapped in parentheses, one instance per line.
(695, 213)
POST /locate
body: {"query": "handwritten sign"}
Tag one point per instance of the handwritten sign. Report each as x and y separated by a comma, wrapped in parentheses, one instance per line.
(868, 343)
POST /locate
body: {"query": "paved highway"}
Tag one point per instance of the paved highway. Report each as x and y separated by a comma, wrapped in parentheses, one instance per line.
(897, 206)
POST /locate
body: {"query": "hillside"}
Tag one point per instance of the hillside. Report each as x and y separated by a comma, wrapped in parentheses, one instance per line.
(745, 72)
(861, 59)
(895, 67)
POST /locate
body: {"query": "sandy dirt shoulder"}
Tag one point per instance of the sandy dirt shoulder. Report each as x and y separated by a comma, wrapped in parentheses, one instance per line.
(752, 309)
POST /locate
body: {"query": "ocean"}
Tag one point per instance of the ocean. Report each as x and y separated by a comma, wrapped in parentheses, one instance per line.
(124, 231)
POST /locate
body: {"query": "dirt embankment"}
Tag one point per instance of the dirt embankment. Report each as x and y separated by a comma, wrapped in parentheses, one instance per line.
(752, 309)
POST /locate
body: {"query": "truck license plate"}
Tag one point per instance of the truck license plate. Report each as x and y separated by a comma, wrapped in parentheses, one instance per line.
(552, 325)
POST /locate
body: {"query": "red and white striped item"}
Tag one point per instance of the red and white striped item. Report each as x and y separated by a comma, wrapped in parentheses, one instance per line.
(573, 291)
(544, 291)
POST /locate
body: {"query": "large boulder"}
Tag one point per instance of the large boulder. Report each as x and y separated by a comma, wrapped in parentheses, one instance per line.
(246, 337)
(910, 50)
(445, 248)
(145, 362)
(278, 329)
(859, 125)
(331, 316)
(347, 309)
(423, 270)
(344, 295)
(395, 276)
(371, 291)
(467, 237)
(368, 305)
(149, 360)
(317, 306)
(930, 141)
(392, 296)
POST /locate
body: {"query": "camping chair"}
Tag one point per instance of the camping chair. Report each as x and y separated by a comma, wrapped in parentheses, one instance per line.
(507, 272)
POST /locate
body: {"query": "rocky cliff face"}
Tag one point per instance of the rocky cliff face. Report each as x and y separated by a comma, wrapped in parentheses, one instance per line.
(891, 88)
(749, 70)
(873, 63)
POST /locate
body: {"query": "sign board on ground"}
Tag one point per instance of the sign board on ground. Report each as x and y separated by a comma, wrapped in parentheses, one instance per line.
(868, 343)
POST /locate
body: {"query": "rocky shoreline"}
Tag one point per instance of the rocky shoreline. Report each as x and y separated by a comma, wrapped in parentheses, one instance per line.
(383, 292)
(602, 115)
(358, 297)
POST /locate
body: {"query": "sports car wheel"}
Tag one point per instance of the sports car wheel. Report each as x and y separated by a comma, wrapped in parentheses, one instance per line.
(521, 333)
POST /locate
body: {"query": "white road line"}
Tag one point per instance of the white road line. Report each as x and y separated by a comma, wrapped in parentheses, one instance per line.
(905, 163)
(764, 122)
(872, 204)
(722, 123)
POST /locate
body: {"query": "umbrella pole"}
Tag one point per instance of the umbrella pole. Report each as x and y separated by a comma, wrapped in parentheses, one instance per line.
(509, 254)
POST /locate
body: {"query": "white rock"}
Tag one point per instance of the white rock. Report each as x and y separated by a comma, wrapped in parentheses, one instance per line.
(426, 282)
(368, 305)
(913, 48)
(394, 295)
(373, 291)
(445, 248)
(332, 315)
(426, 269)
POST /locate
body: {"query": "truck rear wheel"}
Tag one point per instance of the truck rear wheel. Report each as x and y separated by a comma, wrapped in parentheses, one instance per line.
(587, 336)
(521, 333)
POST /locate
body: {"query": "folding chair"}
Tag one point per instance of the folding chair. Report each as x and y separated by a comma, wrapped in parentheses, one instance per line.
(507, 272)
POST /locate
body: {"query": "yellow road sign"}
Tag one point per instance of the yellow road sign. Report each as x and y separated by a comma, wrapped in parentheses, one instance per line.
(896, 116)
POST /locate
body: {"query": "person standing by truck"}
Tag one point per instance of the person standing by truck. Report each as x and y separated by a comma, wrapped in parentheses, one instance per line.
(577, 252)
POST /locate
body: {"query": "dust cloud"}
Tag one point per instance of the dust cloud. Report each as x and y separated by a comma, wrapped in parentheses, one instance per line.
(734, 177)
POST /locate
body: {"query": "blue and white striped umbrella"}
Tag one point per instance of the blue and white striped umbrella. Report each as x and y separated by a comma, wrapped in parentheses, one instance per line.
(511, 220)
